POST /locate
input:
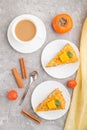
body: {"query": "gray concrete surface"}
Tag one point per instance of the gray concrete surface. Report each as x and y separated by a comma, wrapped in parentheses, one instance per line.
(10, 112)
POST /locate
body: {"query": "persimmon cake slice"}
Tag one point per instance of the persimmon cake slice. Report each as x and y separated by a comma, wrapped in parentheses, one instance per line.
(54, 101)
(66, 55)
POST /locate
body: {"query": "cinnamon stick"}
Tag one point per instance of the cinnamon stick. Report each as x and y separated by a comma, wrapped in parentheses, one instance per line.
(23, 68)
(31, 116)
(17, 78)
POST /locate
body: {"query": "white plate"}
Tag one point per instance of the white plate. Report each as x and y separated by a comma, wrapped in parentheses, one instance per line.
(33, 44)
(60, 71)
(42, 91)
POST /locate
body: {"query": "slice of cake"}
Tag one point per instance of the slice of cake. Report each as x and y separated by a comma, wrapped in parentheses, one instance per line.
(54, 101)
(65, 56)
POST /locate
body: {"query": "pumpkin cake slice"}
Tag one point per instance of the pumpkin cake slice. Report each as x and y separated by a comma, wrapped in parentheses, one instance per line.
(54, 101)
(66, 55)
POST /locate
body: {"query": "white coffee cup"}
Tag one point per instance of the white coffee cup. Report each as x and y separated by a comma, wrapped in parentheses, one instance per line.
(14, 26)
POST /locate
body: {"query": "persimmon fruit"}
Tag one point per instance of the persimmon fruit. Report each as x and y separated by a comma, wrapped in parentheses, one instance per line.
(72, 83)
(62, 23)
(12, 95)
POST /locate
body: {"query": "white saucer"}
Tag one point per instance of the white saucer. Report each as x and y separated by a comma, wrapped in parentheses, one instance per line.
(42, 91)
(60, 71)
(33, 44)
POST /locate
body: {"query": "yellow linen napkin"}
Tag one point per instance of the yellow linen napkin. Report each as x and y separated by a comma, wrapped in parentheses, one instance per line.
(77, 116)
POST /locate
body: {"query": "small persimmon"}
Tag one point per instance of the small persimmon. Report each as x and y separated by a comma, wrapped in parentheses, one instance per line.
(72, 83)
(62, 23)
(12, 95)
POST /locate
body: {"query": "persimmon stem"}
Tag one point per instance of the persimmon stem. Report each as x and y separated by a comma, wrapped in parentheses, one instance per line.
(62, 21)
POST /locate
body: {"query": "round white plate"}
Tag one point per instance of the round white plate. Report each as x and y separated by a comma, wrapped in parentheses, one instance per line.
(60, 71)
(42, 91)
(33, 44)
